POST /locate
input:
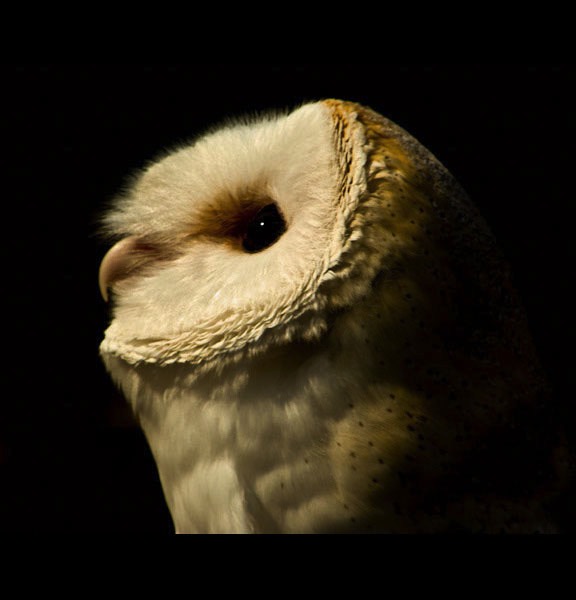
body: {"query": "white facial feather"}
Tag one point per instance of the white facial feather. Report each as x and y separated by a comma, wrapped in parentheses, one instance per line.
(289, 160)
(370, 370)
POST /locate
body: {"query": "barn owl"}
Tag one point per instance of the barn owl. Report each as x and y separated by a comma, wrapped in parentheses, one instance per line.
(316, 331)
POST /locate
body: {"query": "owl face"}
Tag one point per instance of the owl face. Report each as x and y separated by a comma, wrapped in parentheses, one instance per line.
(230, 239)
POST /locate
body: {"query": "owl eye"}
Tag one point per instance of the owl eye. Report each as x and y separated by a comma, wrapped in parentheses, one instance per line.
(264, 229)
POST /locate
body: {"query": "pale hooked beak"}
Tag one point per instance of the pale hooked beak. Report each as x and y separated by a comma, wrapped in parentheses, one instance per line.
(117, 264)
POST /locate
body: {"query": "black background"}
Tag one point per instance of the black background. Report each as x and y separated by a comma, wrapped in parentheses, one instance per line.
(71, 459)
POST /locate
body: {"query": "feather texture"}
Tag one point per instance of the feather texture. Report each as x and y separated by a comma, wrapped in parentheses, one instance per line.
(372, 370)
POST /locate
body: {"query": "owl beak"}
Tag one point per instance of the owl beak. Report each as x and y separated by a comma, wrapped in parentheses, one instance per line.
(117, 264)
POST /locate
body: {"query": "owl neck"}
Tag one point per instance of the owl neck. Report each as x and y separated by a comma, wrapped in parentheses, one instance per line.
(242, 451)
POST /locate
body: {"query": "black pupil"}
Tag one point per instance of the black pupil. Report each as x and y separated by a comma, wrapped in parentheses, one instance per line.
(264, 229)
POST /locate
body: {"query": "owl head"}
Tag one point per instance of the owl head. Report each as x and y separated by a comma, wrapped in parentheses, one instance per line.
(258, 232)
(329, 249)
